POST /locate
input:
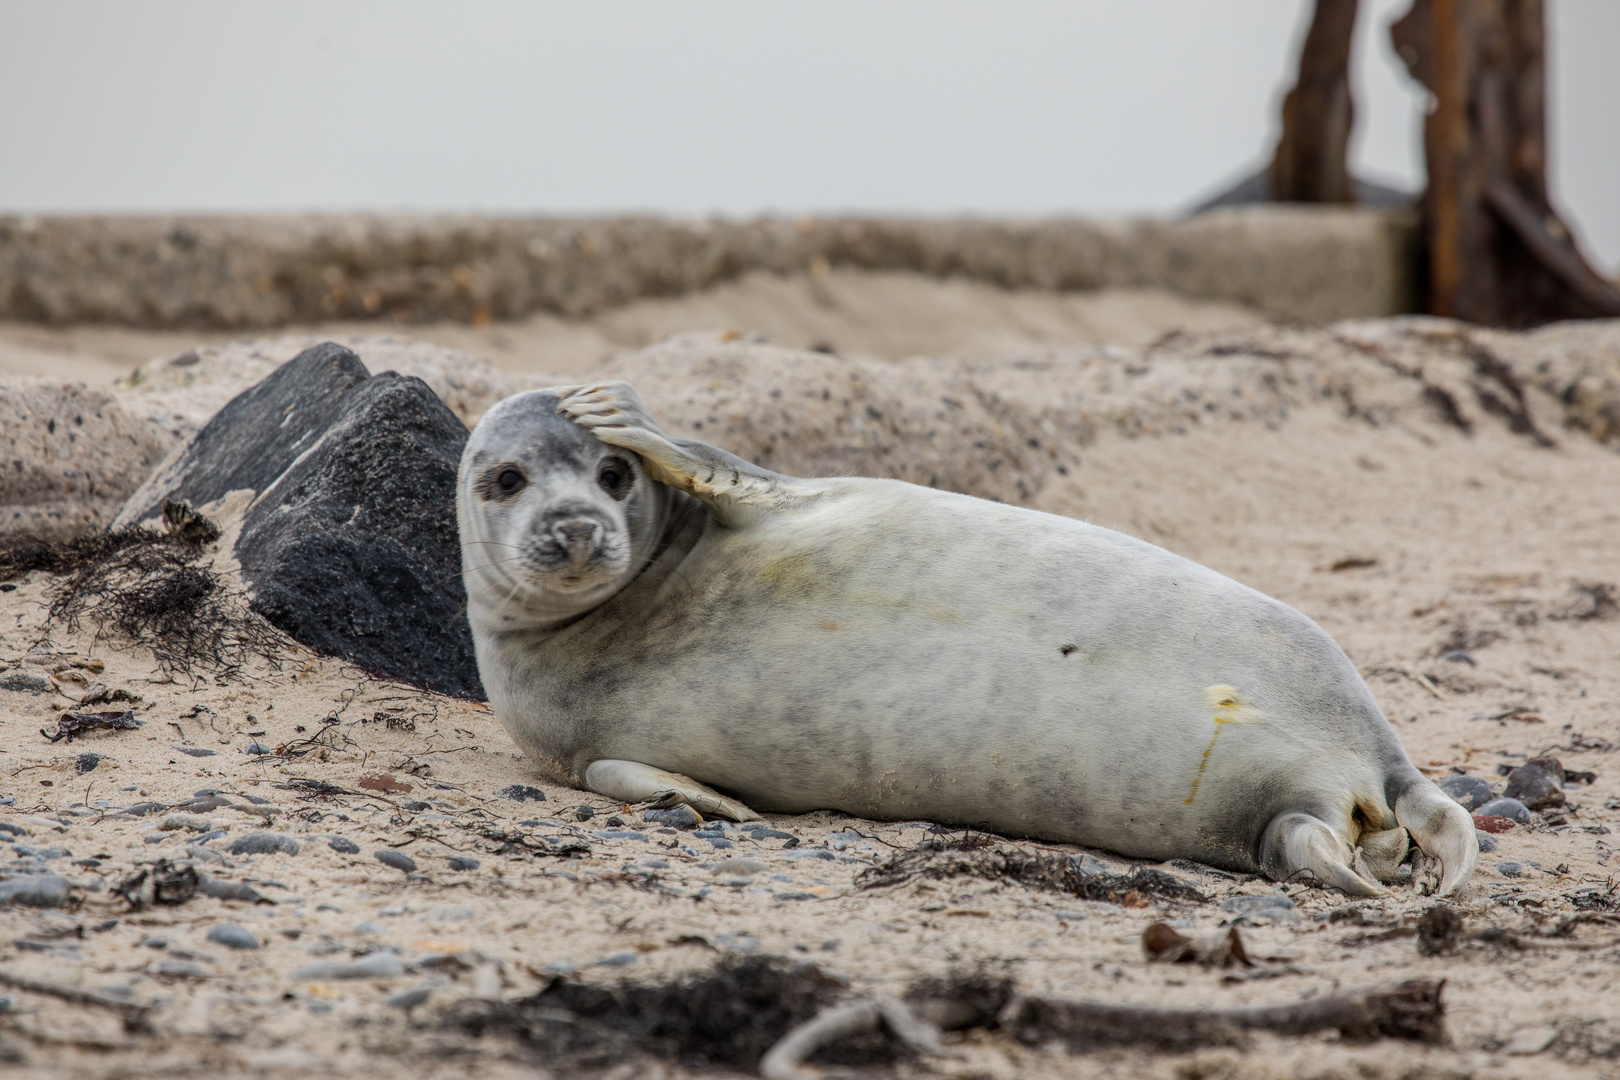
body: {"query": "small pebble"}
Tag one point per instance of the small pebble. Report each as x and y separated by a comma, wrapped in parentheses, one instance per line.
(719, 842)
(367, 928)
(1538, 783)
(623, 959)
(397, 859)
(760, 832)
(1510, 869)
(620, 834)
(86, 762)
(343, 845)
(1271, 907)
(1471, 791)
(1512, 809)
(262, 843)
(13, 829)
(583, 813)
(35, 890)
(197, 751)
(461, 862)
(155, 942)
(257, 749)
(228, 890)
(522, 793)
(1487, 842)
(232, 937)
(377, 965)
(679, 817)
(410, 999)
(1461, 656)
(739, 868)
(186, 821)
(182, 969)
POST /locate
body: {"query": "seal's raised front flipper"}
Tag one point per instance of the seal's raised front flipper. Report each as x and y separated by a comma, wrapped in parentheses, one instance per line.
(1298, 841)
(734, 489)
(633, 782)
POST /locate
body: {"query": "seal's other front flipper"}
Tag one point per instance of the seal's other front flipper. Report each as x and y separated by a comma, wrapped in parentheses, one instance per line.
(1298, 841)
(736, 490)
(633, 782)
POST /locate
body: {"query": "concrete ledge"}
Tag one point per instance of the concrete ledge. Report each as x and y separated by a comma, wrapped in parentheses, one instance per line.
(1301, 264)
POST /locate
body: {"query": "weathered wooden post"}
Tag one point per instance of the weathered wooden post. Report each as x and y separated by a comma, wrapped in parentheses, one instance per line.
(1310, 164)
(1497, 252)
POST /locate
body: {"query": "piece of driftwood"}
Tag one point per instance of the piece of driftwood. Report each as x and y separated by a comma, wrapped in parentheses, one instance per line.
(1497, 252)
(786, 1060)
(136, 1017)
(1311, 160)
(1411, 1010)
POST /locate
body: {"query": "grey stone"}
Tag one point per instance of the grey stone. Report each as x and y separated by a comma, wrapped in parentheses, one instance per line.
(397, 859)
(1487, 842)
(623, 959)
(1538, 783)
(410, 999)
(1510, 869)
(1512, 809)
(87, 762)
(36, 890)
(739, 867)
(23, 683)
(522, 793)
(186, 821)
(343, 845)
(143, 809)
(351, 547)
(619, 834)
(377, 965)
(12, 828)
(462, 862)
(1271, 907)
(262, 843)
(257, 749)
(1471, 791)
(232, 937)
(228, 890)
(676, 817)
(197, 751)
(183, 969)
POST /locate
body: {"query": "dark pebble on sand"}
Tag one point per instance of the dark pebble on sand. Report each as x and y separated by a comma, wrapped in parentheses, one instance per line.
(262, 843)
(1538, 783)
(583, 813)
(760, 832)
(228, 890)
(719, 842)
(85, 762)
(144, 809)
(1270, 907)
(397, 859)
(522, 793)
(416, 806)
(680, 817)
(1487, 842)
(343, 845)
(461, 862)
(1459, 656)
(197, 751)
(232, 937)
(620, 834)
(35, 890)
(1510, 869)
(257, 749)
(24, 683)
(1512, 809)
(14, 830)
(1472, 791)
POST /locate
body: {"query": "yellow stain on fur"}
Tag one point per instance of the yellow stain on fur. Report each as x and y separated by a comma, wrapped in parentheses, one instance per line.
(1230, 708)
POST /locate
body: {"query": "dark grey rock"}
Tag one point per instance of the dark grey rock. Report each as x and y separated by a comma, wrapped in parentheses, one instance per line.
(719, 842)
(679, 817)
(1461, 656)
(142, 809)
(1472, 791)
(1512, 809)
(377, 965)
(343, 845)
(228, 890)
(87, 762)
(462, 862)
(201, 805)
(583, 813)
(257, 749)
(397, 859)
(1487, 842)
(262, 843)
(36, 890)
(623, 959)
(522, 793)
(23, 683)
(1270, 907)
(232, 937)
(351, 549)
(182, 969)
(13, 829)
(410, 999)
(619, 834)
(1510, 869)
(196, 751)
(1538, 783)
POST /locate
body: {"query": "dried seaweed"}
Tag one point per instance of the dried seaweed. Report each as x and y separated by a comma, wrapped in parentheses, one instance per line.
(1054, 873)
(156, 589)
(70, 725)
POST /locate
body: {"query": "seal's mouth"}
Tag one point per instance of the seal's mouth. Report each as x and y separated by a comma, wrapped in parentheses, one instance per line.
(576, 554)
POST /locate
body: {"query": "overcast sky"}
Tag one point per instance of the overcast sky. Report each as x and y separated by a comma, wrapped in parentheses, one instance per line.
(713, 106)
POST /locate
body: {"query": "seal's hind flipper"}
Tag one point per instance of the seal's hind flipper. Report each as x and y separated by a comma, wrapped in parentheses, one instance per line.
(633, 782)
(734, 489)
(1442, 829)
(1298, 842)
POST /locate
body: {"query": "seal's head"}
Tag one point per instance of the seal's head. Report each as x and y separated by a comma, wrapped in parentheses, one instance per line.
(553, 522)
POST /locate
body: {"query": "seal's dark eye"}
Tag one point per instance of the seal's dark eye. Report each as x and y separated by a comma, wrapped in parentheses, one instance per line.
(510, 482)
(614, 476)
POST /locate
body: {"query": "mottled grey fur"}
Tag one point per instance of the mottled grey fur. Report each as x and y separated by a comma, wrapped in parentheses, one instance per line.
(899, 652)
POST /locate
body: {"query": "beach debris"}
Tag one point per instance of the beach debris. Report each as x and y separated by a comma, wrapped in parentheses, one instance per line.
(515, 841)
(1411, 1010)
(74, 725)
(521, 793)
(1053, 873)
(386, 783)
(136, 1017)
(1164, 944)
(1440, 930)
(1538, 783)
(162, 882)
(786, 1060)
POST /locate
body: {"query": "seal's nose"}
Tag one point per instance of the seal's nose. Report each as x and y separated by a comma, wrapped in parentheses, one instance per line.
(580, 537)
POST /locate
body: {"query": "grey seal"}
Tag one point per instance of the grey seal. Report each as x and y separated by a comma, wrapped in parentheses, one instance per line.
(655, 618)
